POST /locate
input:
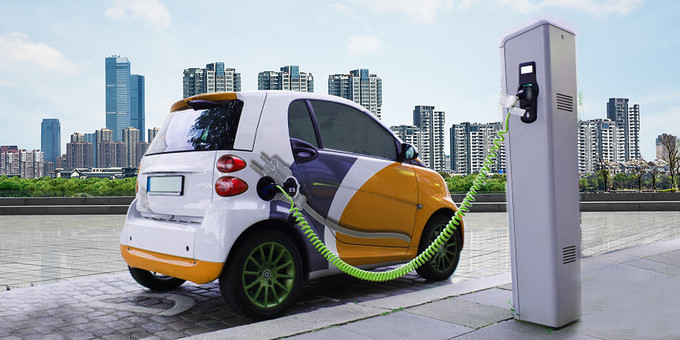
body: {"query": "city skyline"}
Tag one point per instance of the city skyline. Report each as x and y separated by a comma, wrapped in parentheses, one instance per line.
(437, 53)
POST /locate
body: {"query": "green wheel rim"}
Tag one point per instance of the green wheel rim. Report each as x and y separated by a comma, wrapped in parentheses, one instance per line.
(445, 256)
(268, 275)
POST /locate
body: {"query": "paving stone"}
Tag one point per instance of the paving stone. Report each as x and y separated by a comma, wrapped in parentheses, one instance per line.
(79, 336)
(486, 253)
(119, 324)
(104, 319)
(180, 325)
(154, 327)
(194, 331)
(212, 324)
(169, 335)
(461, 312)
(116, 337)
(405, 326)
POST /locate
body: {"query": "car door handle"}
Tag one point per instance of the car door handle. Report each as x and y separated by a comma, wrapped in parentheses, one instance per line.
(303, 151)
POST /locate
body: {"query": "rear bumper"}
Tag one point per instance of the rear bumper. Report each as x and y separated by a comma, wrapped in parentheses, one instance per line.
(179, 267)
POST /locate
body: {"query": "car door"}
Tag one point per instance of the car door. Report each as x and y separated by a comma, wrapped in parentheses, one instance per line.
(347, 165)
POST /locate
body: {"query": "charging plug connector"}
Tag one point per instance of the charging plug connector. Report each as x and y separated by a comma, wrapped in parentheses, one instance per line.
(510, 102)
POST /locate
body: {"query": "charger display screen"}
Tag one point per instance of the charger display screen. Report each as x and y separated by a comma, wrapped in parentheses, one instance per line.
(526, 69)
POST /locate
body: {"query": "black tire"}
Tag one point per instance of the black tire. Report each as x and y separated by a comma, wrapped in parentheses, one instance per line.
(445, 261)
(262, 276)
(153, 281)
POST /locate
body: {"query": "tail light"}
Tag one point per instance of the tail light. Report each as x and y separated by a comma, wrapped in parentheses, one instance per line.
(230, 186)
(228, 163)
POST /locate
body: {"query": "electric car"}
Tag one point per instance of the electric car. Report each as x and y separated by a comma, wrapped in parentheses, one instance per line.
(208, 207)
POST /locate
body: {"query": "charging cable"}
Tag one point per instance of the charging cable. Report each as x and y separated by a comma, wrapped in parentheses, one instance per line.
(436, 245)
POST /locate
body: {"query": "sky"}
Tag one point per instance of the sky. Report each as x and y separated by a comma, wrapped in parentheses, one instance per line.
(443, 53)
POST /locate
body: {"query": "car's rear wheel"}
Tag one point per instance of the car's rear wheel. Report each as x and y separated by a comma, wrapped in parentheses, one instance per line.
(263, 275)
(445, 259)
(155, 281)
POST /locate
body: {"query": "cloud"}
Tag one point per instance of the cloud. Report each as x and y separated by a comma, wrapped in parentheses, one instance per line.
(420, 11)
(344, 9)
(426, 11)
(153, 12)
(361, 44)
(592, 7)
(16, 48)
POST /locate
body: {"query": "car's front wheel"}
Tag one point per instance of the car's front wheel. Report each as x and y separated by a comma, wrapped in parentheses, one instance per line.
(263, 275)
(155, 281)
(445, 259)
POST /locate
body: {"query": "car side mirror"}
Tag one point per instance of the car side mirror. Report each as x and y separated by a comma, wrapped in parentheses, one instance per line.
(408, 152)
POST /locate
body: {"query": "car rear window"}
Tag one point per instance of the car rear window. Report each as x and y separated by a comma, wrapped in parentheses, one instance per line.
(212, 127)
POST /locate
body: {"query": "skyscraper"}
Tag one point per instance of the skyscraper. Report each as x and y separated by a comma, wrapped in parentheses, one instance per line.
(50, 139)
(408, 134)
(289, 79)
(79, 153)
(137, 111)
(151, 134)
(360, 87)
(471, 144)
(431, 124)
(213, 78)
(118, 96)
(627, 119)
(599, 140)
(131, 140)
(100, 136)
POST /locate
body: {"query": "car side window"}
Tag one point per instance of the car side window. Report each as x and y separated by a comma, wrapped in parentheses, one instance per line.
(300, 124)
(345, 128)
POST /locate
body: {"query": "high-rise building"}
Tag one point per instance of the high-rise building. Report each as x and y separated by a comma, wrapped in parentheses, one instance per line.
(431, 124)
(50, 139)
(627, 119)
(131, 140)
(30, 163)
(661, 152)
(118, 95)
(101, 135)
(599, 141)
(151, 134)
(289, 78)
(90, 138)
(471, 143)
(9, 160)
(211, 79)
(360, 87)
(408, 134)
(79, 154)
(111, 154)
(137, 111)
(141, 150)
(77, 137)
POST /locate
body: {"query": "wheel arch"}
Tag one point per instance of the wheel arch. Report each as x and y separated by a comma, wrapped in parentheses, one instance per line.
(449, 213)
(276, 225)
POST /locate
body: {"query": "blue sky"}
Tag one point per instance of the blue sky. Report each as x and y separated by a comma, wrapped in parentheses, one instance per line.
(428, 52)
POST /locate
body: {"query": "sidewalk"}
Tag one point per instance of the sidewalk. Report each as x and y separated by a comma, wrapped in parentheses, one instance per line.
(627, 294)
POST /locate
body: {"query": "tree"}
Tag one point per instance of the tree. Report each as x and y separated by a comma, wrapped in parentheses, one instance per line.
(653, 170)
(671, 155)
(639, 167)
(605, 167)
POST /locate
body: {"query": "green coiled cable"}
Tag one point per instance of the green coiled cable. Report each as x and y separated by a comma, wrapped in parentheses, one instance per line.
(423, 257)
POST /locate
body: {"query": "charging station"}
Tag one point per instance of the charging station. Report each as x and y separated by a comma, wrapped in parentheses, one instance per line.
(538, 63)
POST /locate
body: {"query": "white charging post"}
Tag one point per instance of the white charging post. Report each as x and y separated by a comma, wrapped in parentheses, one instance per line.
(542, 172)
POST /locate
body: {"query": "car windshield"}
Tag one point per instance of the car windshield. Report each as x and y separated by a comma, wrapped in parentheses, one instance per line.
(211, 128)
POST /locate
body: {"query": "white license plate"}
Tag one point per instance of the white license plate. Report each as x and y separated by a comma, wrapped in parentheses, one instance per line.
(165, 185)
